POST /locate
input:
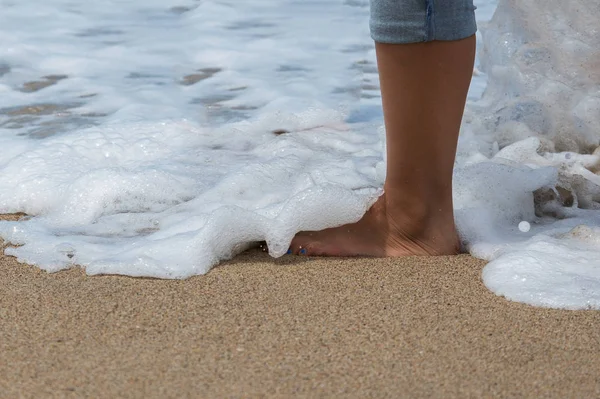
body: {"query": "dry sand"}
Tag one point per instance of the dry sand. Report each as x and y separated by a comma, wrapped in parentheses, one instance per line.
(293, 327)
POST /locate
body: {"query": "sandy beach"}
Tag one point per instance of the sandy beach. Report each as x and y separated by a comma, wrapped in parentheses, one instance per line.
(289, 327)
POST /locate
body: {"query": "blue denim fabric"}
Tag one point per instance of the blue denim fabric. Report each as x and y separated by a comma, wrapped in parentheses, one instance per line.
(413, 21)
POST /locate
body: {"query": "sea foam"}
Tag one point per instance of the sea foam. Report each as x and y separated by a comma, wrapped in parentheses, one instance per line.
(541, 112)
(161, 138)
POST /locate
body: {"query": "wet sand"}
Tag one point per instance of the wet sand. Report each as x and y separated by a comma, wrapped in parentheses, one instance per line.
(291, 327)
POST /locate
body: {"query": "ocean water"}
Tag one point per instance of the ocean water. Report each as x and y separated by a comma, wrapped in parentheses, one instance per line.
(145, 138)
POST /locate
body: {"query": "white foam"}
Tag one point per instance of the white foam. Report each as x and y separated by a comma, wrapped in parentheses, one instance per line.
(174, 199)
(541, 111)
(139, 136)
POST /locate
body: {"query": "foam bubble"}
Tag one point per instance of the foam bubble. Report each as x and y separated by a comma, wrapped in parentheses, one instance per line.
(524, 226)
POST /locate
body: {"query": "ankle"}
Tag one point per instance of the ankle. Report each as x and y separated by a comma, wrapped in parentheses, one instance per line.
(421, 209)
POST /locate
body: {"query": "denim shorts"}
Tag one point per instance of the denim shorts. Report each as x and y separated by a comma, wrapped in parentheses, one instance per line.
(413, 21)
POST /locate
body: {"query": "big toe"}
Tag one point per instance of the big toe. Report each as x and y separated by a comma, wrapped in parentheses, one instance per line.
(307, 246)
(300, 245)
(311, 243)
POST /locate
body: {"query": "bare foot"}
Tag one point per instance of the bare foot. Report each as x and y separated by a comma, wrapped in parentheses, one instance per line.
(383, 232)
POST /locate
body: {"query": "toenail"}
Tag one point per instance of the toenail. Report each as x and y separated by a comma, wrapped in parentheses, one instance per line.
(289, 251)
(302, 251)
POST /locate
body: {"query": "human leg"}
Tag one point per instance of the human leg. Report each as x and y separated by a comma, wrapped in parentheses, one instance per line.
(424, 88)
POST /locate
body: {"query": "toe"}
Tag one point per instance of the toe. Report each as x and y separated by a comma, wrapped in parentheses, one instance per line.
(303, 249)
(299, 245)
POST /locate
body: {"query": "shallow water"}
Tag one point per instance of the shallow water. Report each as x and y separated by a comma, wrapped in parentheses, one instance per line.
(140, 137)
